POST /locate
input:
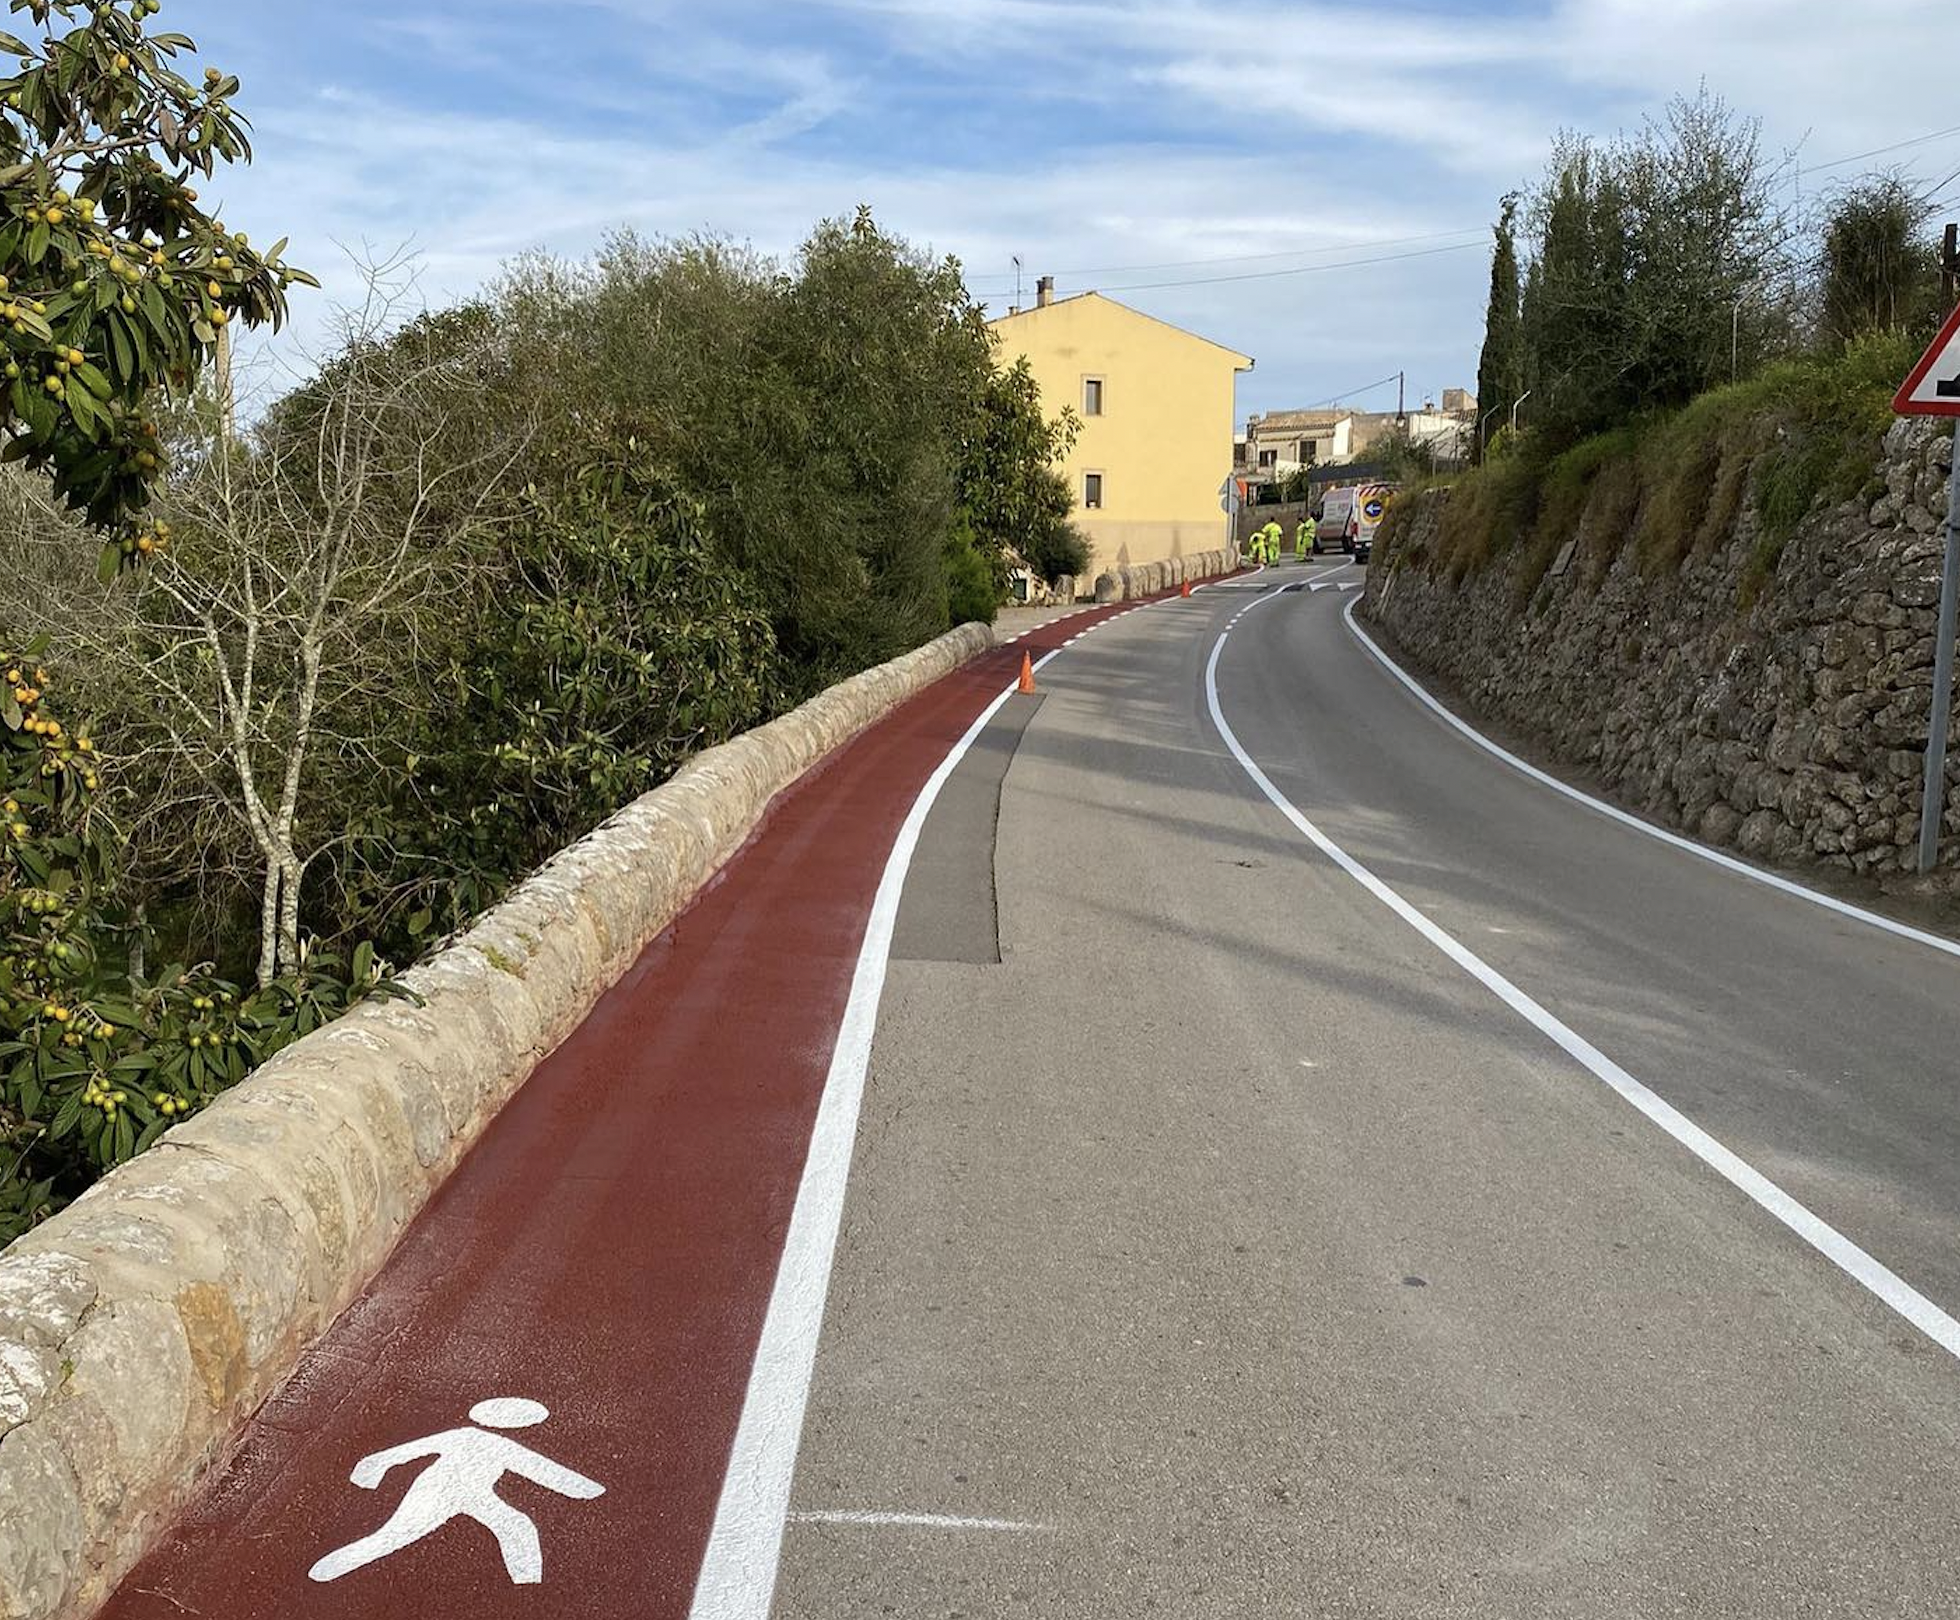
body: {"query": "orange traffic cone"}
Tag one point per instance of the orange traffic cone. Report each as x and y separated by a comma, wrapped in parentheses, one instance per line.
(1027, 673)
(1187, 589)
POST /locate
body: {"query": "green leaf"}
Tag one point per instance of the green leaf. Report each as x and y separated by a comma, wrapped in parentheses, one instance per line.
(120, 350)
(37, 242)
(67, 1115)
(107, 565)
(154, 309)
(93, 379)
(38, 414)
(82, 407)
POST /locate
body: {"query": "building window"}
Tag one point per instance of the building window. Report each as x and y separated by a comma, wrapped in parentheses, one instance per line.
(1092, 396)
(1268, 457)
(1092, 492)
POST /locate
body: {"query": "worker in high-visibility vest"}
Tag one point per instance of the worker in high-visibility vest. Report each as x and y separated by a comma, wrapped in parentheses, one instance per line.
(1253, 551)
(1273, 535)
(1303, 538)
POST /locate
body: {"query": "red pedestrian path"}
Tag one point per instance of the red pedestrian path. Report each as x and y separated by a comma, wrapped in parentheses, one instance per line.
(607, 1249)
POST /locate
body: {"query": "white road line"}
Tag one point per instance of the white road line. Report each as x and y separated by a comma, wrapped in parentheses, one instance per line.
(915, 1521)
(1626, 818)
(1886, 1284)
(738, 1571)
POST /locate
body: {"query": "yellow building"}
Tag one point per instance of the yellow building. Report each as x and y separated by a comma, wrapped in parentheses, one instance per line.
(1157, 411)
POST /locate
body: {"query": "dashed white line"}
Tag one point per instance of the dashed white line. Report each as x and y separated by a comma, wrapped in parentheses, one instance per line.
(1880, 1280)
(916, 1521)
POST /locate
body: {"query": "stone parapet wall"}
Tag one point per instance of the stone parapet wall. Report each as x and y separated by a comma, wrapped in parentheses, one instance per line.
(1132, 584)
(1784, 716)
(141, 1325)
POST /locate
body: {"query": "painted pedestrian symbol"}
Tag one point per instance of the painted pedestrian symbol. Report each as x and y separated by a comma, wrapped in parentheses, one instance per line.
(461, 1484)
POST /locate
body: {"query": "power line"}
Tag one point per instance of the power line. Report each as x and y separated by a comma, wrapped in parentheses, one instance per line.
(1476, 234)
(1931, 195)
(1287, 253)
(1336, 399)
(1880, 151)
(1296, 270)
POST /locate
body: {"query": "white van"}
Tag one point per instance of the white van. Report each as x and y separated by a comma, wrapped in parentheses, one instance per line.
(1350, 516)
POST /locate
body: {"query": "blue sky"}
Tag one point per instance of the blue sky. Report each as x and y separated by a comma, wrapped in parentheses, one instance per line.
(1143, 148)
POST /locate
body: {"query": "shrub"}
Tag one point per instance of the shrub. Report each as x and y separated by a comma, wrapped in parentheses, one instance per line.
(1057, 546)
(96, 1058)
(972, 586)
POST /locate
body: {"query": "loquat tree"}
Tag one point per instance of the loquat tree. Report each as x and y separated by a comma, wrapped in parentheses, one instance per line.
(113, 282)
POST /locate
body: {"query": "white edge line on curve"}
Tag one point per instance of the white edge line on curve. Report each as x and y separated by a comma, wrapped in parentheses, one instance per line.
(1626, 818)
(1891, 1289)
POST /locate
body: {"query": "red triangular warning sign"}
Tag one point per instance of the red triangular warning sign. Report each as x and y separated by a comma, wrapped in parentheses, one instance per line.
(1933, 389)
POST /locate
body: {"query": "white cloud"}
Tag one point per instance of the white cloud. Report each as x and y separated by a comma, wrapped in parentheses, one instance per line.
(1083, 135)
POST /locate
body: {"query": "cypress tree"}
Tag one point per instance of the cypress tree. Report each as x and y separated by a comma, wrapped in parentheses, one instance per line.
(1501, 369)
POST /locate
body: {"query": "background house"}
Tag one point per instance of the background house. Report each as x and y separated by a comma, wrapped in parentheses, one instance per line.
(1157, 410)
(1282, 442)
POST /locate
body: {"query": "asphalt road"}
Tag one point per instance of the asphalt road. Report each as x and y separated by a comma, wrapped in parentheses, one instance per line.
(1228, 1249)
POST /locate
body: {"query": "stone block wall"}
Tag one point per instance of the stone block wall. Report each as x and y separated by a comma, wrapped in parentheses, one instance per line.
(1790, 727)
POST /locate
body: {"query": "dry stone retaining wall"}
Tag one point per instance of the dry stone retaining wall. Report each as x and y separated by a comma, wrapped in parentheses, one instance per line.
(1791, 728)
(141, 1325)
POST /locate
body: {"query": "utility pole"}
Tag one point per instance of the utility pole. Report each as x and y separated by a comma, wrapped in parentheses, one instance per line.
(1401, 399)
(1950, 266)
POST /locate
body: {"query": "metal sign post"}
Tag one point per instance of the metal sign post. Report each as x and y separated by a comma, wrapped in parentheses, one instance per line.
(1933, 389)
(1932, 810)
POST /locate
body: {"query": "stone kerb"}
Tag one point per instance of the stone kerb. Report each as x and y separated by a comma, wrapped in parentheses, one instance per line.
(141, 1325)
